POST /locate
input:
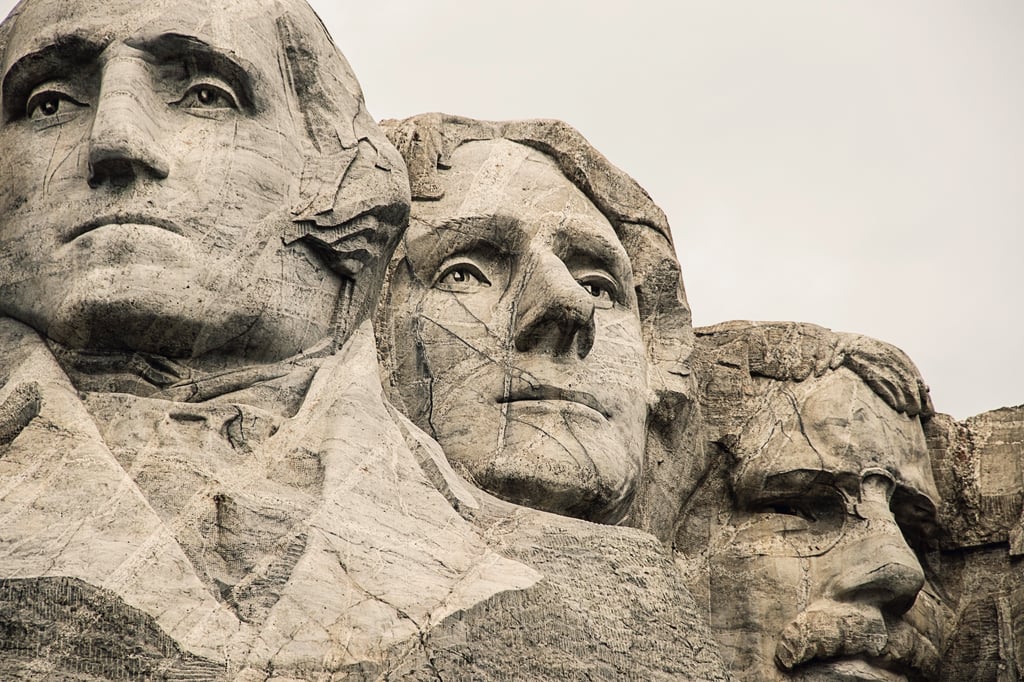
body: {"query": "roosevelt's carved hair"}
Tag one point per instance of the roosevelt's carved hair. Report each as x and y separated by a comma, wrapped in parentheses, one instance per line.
(731, 356)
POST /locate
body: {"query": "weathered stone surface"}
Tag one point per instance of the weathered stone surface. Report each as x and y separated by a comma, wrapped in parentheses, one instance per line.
(194, 225)
(979, 464)
(202, 477)
(535, 322)
(809, 541)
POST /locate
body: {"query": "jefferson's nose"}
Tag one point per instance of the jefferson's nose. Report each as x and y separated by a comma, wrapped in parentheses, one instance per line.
(124, 144)
(554, 314)
(877, 566)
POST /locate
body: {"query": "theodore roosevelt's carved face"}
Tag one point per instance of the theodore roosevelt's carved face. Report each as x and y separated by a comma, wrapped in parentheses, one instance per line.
(816, 572)
(148, 159)
(522, 345)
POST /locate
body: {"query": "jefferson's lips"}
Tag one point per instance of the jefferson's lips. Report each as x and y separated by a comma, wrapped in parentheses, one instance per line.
(120, 219)
(547, 392)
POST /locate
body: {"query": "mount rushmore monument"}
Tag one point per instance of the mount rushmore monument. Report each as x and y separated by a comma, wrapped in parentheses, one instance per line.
(287, 393)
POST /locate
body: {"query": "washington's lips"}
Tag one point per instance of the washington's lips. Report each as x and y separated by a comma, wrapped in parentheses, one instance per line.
(548, 392)
(121, 219)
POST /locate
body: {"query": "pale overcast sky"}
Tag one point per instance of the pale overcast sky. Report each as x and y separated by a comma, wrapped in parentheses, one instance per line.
(857, 164)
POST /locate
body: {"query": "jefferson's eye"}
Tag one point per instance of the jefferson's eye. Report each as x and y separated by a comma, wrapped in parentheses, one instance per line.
(208, 95)
(49, 103)
(601, 287)
(462, 276)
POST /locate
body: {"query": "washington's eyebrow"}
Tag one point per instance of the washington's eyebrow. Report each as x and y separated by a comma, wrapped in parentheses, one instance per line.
(64, 56)
(201, 57)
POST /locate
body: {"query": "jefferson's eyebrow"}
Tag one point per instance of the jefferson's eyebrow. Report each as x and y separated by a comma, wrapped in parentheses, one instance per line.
(503, 232)
(609, 253)
(202, 57)
(63, 57)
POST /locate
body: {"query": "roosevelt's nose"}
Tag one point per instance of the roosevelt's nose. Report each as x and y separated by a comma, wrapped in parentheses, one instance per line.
(877, 566)
(554, 314)
(124, 143)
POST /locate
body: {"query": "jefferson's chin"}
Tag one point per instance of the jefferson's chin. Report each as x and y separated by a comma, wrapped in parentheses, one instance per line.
(561, 461)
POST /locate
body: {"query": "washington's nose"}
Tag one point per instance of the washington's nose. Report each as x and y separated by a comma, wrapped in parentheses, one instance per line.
(124, 144)
(878, 567)
(554, 314)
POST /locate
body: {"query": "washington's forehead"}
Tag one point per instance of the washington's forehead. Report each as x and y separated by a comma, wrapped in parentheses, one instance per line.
(244, 28)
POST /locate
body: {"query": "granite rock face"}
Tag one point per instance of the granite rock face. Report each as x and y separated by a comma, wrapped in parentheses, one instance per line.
(289, 396)
(979, 464)
(809, 542)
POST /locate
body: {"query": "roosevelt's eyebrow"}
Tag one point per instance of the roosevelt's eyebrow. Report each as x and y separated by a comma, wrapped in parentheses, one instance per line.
(64, 56)
(201, 56)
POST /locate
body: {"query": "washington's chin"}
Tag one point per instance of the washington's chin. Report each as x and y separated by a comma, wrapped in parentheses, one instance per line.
(132, 313)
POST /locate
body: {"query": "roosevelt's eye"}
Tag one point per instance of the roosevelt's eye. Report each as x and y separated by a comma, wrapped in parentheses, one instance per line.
(601, 287)
(788, 508)
(210, 95)
(462, 276)
(48, 103)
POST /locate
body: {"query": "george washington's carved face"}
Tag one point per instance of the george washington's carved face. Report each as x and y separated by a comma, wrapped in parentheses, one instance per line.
(817, 572)
(522, 351)
(149, 156)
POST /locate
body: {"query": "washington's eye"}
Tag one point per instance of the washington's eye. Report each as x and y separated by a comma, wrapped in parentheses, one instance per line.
(601, 287)
(49, 103)
(208, 95)
(462, 276)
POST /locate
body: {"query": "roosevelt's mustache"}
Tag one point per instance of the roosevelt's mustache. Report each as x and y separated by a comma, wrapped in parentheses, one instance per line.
(840, 630)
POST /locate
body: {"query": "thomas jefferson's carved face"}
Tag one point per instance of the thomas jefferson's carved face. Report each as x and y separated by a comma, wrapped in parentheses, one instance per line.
(814, 574)
(520, 338)
(148, 155)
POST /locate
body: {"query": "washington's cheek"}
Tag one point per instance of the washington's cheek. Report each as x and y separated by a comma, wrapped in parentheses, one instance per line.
(38, 189)
(230, 176)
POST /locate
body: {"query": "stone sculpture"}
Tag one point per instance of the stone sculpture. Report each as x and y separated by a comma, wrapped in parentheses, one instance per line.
(512, 285)
(200, 478)
(535, 321)
(813, 534)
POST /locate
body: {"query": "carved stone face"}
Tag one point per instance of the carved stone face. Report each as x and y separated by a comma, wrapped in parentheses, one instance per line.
(147, 155)
(814, 575)
(524, 353)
